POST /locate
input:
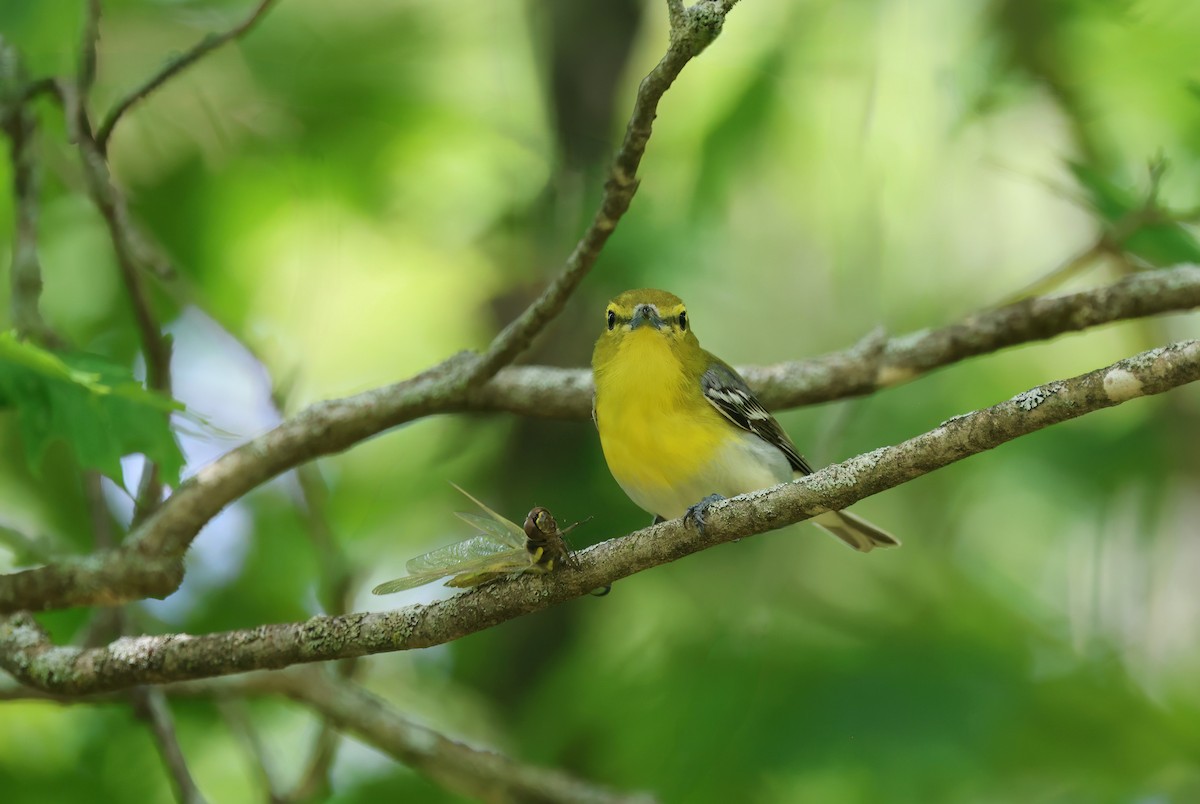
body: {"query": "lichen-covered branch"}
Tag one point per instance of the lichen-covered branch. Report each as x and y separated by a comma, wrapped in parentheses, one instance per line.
(334, 426)
(30, 657)
(863, 369)
(329, 427)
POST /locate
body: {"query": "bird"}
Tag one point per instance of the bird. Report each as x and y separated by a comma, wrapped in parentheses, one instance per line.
(680, 428)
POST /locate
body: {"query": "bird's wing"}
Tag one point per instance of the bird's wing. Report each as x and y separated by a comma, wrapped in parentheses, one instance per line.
(728, 392)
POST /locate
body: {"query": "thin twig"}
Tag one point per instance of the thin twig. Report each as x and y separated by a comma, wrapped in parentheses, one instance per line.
(1112, 238)
(233, 712)
(112, 206)
(25, 545)
(151, 705)
(335, 576)
(692, 30)
(87, 49)
(336, 580)
(27, 654)
(129, 250)
(868, 367)
(175, 66)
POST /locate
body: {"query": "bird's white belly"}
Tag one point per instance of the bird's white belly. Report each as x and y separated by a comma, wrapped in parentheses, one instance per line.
(746, 463)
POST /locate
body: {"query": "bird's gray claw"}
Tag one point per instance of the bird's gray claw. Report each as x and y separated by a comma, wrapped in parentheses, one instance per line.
(695, 514)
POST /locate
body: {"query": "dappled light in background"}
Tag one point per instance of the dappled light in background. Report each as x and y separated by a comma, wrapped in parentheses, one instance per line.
(357, 190)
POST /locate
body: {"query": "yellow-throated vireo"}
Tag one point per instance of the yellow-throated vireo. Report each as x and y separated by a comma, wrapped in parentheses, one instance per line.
(680, 428)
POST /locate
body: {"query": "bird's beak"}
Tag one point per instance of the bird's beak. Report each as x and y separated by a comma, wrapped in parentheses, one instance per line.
(645, 314)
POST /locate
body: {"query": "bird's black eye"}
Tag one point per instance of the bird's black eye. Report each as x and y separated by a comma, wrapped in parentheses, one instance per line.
(683, 320)
(612, 319)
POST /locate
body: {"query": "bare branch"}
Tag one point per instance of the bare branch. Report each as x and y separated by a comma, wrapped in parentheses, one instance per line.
(27, 654)
(330, 427)
(868, 367)
(150, 704)
(336, 574)
(129, 252)
(174, 67)
(692, 30)
(336, 581)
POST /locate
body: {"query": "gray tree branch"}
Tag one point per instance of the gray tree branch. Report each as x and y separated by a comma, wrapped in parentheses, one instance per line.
(692, 30)
(874, 365)
(330, 427)
(150, 565)
(27, 654)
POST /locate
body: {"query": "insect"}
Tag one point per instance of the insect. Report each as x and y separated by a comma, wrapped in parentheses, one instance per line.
(500, 548)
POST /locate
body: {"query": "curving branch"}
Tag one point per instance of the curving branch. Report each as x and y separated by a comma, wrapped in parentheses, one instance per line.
(27, 654)
(150, 565)
(692, 30)
(176, 66)
(131, 254)
(333, 426)
(872, 365)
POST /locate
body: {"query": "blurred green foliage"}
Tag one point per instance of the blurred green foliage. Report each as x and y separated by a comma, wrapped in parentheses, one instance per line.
(94, 407)
(361, 188)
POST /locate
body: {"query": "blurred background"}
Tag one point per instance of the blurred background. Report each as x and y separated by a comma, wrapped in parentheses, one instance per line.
(358, 189)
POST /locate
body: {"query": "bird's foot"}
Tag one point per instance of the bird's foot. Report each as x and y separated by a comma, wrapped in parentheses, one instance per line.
(696, 514)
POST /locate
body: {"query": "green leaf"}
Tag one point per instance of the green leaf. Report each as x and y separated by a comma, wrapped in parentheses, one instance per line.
(95, 406)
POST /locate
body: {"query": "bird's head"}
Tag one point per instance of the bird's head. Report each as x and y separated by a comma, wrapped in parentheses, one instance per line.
(646, 317)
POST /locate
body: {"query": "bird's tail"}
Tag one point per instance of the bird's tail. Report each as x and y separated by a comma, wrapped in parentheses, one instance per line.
(855, 531)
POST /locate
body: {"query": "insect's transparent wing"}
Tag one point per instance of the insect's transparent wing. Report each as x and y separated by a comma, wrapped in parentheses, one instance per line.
(411, 581)
(446, 558)
(517, 535)
(485, 566)
(511, 562)
(497, 530)
(498, 550)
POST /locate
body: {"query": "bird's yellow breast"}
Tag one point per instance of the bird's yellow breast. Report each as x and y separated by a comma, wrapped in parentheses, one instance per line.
(657, 432)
